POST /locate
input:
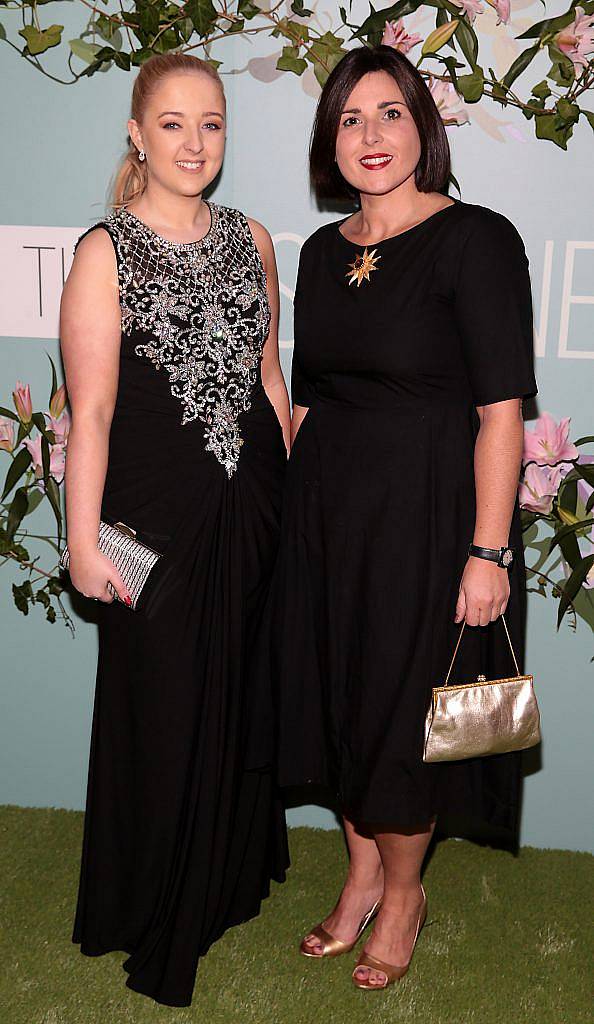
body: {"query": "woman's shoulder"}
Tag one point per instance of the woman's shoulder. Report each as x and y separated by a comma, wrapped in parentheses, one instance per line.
(484, 226)
(320, 238)
(97, 241)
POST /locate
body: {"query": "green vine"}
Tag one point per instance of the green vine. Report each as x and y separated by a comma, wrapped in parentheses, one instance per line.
(126, 33)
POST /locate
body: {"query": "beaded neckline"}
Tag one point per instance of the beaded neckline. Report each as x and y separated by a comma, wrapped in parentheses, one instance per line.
(167, 242)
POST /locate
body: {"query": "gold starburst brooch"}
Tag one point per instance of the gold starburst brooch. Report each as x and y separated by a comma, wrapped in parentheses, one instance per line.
(362, 267)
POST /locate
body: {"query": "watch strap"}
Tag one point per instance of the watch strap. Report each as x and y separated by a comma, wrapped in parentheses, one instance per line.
(502, 556)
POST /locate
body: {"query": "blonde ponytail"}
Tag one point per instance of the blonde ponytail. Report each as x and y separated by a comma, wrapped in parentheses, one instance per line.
(131, 177)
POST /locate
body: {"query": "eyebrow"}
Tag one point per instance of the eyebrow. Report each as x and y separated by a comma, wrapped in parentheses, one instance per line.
(380, 106)
(206, 113)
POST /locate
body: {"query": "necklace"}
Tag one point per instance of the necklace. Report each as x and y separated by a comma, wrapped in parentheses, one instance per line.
(362, 266)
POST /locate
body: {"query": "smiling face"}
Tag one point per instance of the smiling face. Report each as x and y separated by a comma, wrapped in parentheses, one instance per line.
(182, 133)
(377, 143)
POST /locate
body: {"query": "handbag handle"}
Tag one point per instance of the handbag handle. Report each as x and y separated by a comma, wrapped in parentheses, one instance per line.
(518, 673)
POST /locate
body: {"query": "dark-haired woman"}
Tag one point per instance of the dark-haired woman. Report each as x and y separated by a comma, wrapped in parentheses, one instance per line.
(413, 351)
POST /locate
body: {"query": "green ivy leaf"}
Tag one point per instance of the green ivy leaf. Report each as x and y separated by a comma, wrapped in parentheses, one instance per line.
(291, 61)
(106, 27)
(19, 465)
(542, 90)
(40, 41)
(20, 552)
(141, 56)
(87, 52)
(553, 129)
(471, 87)
(301, 11)
(20, 597)
(203, 15)
(570, 112)
(519, 65)
(248, 10)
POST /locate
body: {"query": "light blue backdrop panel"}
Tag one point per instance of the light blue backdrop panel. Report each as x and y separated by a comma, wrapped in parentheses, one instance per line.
(60, 147)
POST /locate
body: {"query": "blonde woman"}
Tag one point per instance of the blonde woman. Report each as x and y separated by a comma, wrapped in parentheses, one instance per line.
(169, 340)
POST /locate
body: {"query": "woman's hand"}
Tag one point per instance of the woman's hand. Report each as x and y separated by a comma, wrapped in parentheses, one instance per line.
(484, 592)
(90, 573)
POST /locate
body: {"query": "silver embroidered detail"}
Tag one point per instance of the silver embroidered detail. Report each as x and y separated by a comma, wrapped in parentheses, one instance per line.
(204, 310)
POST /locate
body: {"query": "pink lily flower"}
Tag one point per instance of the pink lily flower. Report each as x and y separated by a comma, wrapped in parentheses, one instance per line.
(22, 402)
(60, 427)
(58, 402)
(470, 8)
(57, 458)
(447, 101)
(503, 9)
(577, 40)
(548, 444)
(7, 437)
(395, 35)
(538, 488)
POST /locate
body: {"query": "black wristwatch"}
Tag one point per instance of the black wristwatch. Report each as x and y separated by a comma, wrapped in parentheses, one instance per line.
(503, 556)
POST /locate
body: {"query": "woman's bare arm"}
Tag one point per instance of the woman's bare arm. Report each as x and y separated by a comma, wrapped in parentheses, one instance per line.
(272, 374)
(484, 590)
(90, 342)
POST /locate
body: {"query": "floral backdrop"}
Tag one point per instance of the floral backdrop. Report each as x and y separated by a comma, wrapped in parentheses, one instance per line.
(472, 52)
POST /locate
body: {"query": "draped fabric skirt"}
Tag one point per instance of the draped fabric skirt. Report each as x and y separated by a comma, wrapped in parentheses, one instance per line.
(184, 829)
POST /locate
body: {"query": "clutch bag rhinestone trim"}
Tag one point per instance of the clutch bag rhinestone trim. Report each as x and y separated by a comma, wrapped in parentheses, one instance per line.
(133, 560)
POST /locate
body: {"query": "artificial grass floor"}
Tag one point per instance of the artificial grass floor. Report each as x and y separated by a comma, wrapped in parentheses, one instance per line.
(507, 942)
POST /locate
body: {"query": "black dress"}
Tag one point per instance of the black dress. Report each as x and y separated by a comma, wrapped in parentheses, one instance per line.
(380, 507)
(183, 830)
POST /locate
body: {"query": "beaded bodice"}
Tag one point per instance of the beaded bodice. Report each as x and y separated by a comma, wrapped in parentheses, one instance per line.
(199, 312)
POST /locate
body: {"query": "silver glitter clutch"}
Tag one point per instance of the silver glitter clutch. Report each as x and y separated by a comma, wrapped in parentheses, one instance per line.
(489, 716)
(133, 560)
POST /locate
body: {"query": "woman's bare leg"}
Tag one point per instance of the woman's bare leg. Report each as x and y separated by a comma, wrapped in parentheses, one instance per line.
(363, 886)
(402, 856)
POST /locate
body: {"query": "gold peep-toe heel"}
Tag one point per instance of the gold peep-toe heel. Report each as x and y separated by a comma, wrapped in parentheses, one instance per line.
(393, 972)
(331, 946)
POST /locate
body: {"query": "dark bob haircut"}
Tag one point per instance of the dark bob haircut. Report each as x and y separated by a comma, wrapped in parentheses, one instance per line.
(433, 169)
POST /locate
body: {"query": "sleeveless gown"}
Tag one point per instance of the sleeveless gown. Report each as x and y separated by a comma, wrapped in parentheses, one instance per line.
(380, 508)
(183, 829)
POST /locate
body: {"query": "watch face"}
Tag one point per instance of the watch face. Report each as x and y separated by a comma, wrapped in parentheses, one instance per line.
(507, 557)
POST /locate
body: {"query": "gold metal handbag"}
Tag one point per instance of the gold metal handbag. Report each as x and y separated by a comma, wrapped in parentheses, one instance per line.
(490, 716)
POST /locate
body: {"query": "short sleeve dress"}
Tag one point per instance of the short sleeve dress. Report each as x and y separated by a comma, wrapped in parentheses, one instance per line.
(380, 508)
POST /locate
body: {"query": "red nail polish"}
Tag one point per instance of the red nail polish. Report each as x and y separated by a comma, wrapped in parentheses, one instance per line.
(128, 601)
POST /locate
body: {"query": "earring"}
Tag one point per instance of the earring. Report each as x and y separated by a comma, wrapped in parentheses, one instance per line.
(142, 155)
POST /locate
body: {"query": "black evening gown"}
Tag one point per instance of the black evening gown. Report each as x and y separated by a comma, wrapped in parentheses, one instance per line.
(379, 511)
(183, 828)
